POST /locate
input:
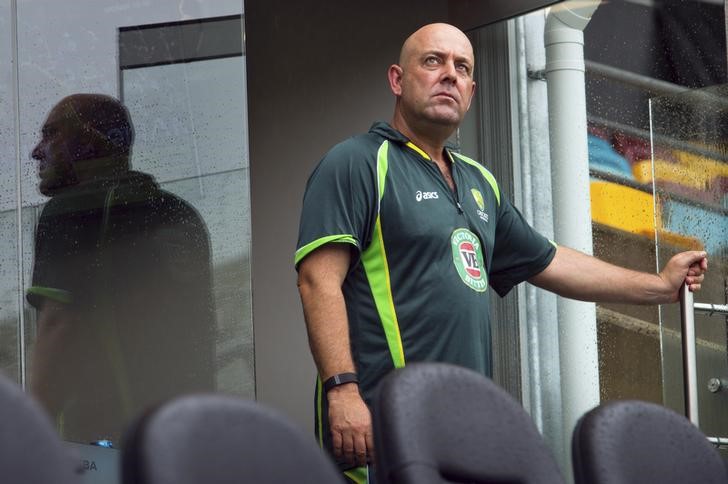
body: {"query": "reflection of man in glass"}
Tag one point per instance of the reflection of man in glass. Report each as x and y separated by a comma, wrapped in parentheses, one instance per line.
(121, 278)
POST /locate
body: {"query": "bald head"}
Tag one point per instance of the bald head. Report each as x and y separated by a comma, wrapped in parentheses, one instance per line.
(437, 33)
(86, 137)
(433, 83)
(104, 117)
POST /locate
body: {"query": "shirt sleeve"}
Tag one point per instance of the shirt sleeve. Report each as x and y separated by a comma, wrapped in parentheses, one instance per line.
(340, 201)
(56, 263)
(519, 252)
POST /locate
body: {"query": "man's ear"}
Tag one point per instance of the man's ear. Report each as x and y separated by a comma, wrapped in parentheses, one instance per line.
(472, 95)
(394, 74)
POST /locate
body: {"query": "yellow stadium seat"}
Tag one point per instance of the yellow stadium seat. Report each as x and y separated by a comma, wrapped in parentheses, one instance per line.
(690, 170)
(631, 210)
(623, 207)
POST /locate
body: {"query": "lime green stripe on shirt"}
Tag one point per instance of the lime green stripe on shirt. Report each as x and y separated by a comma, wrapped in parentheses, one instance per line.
(374, 260)
(382, 166)
(376, 267)
(311, 246)
(486, 174)
(358, 475)
(59, 295)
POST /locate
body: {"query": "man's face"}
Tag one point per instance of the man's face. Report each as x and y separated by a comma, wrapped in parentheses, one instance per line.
(65, 149)
(55, 152)
(437, 76)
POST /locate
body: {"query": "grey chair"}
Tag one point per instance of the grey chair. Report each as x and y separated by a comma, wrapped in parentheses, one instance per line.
(218, 439)
(439, 423)
(31, 452)
(635, 442)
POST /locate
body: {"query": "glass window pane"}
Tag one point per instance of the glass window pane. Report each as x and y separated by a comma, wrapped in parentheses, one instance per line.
(690, 172)
(10, 267)
(135, 191)
(635, 51)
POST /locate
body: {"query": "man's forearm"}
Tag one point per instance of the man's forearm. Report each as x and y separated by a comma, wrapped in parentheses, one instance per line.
(328, 331)
(320, 278)
(576, 275)
(321, 275)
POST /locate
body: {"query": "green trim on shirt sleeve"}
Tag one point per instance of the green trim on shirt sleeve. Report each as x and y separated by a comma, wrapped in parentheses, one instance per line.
(486, 174)
(59, 295)
(311, 246)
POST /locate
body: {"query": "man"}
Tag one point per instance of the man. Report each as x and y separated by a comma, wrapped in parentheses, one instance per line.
(121, 278)
(400, 237)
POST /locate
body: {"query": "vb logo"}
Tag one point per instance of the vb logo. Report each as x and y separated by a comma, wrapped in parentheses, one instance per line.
(467, 257)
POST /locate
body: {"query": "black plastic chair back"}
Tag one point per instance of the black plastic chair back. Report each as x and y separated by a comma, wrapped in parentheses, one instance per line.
(635, 442)
(31, 452)
(439, 423)
(217, 439)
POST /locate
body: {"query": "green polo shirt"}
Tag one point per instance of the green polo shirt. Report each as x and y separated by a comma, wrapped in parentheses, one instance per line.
(423, 255)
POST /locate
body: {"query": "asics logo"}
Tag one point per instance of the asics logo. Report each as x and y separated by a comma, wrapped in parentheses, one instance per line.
(420, 195)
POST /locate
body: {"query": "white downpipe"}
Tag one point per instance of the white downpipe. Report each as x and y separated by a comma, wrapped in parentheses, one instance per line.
(564, 41)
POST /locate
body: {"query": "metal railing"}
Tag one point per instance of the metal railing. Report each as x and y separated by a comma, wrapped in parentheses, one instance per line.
(688, 308)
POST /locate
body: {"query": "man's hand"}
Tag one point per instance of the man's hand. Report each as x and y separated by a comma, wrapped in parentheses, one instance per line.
(685, 267)
(351, 425)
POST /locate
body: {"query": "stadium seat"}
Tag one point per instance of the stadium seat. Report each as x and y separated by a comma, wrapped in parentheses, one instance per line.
(439, 423)
(690, 170)
(634, 442)
(622, 207)
(31, 452)
(604, 158)
(218, 439)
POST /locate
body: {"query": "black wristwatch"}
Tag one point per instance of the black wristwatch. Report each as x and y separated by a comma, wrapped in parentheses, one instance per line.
(339, 379)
